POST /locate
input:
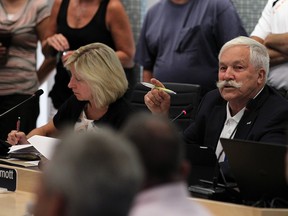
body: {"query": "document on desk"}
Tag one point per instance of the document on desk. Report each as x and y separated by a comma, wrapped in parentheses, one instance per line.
(44, 145)
(17, 162)
(20, 149)
(15, 148)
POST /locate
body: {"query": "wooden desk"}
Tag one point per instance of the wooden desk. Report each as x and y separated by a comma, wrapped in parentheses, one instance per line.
(228, 209)
(15, 203)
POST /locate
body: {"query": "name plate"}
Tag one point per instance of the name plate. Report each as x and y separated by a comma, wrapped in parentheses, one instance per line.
(8, 178)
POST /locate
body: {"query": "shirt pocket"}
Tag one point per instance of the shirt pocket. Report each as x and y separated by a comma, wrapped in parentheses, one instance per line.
(188, 40)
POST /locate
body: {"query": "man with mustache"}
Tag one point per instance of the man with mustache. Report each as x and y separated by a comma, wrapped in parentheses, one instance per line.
(242, 107)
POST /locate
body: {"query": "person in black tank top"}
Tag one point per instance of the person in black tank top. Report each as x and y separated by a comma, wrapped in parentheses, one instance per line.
(94, 31)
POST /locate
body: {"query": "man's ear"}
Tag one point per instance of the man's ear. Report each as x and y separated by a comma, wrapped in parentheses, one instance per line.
(261, 76)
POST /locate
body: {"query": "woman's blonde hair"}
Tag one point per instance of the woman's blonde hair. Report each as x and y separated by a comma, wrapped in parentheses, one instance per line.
(99, 66)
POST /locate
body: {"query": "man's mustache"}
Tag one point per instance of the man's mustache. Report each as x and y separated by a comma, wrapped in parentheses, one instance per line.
(230, 83)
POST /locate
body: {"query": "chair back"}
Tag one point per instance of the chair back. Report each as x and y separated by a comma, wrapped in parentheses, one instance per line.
(187, 98)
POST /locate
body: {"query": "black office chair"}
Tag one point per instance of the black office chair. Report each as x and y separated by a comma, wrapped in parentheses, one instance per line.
(187, 98)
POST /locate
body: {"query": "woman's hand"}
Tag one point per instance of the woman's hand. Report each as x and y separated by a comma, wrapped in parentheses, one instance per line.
(58, 42)
(17, 137)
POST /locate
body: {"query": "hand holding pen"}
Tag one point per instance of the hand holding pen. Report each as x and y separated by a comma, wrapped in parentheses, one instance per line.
(158, 102)
(16, 136)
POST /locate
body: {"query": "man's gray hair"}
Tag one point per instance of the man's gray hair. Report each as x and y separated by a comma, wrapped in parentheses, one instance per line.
(259, 56)
(97, 173)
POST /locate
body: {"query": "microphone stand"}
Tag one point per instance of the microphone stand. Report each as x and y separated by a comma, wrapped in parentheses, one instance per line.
(4, 146)
(36, 94)
(183, 112)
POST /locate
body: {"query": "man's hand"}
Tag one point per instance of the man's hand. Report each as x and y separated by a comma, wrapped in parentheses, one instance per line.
(157, 101)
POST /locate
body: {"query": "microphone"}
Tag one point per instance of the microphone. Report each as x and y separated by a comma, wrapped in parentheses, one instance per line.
(183, 112)
(36, 94)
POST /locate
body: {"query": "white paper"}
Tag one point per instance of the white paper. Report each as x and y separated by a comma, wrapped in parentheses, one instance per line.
(35, 163)
(45, 145)
(18, 147)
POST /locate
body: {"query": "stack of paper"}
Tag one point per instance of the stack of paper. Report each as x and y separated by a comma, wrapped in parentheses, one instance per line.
(41, 144)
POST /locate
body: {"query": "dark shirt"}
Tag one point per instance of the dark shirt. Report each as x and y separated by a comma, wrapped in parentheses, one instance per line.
(180, 43)
(70, 111)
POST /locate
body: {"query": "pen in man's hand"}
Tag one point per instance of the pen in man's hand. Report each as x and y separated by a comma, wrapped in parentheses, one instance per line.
(18, 124)
(150, 85)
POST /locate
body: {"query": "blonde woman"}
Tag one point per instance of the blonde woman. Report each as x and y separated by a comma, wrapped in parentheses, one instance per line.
(99, 83)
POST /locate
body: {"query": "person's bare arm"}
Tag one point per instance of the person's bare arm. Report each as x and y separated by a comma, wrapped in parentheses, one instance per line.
(45, 69)
(49, 62)
(276, 57)
(48, 129)
(147, 75)
(18, 137)
(118, 23)
(54, 41)
(277, 42)
(277, 45)
(260, 40)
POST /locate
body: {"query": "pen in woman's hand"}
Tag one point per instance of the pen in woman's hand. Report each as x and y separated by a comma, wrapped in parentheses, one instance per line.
(18, 124)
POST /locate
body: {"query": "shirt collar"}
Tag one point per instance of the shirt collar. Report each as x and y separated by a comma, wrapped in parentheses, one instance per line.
(239, 115)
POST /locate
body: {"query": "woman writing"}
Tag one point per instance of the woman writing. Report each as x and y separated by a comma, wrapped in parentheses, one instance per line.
(99, 83)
